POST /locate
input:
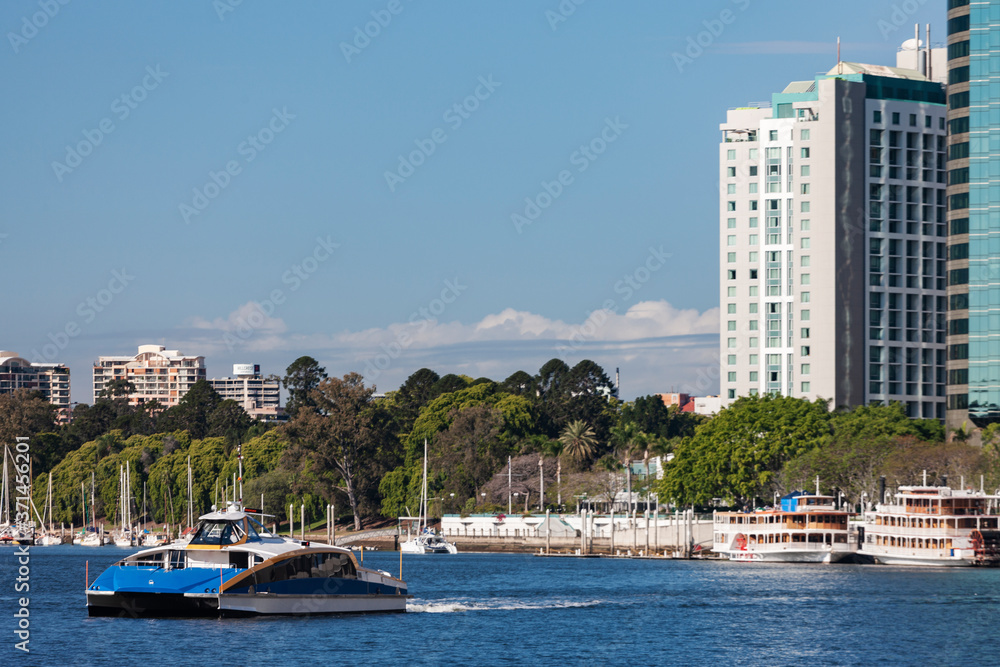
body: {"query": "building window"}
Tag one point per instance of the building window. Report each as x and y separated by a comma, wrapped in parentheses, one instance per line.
(804, 351)
(731, 325)
(753, 308)
(753, 222)
(804, 170)
(731, 308)
(731, 291)
(895, 118)
(753, 188)
(804, 315)
(876, 116)
(753, 170)
(731, 393)
(752, 342)
(805, 151)
(731, 376)
(804, 261)
(804, 225)
(753, 154)
(804, 333)
(805, 279)
(753, 359)
(752, 256)
(731, 172)
(913, 120)
(730, 206)
(805, 386)
(752, 239)
(772, 135)
(753, 325)
(730, 223)
(753, 204)
(731, 343)
(805, 135)
(731, 189)
(753, 290)
(804, 207)
(804, 297)
(804, 189)
(805, 369)
(753, 274)
(731, 239)
(731, 359)
(731, 154)
(730, 257)
(753, 376)
(804, 243)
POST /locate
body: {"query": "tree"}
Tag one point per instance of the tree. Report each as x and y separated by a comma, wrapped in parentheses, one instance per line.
(578, 441)
(653, 417)
(466, 455)
(418, 390)
(301, 377)
(338, 434)
(519, 383)
(192, 411)
(24, 413)
(738, 453)
(229, 420)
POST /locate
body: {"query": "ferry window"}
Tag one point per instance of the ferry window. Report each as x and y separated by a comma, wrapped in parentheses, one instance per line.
(177, 560)
(216, 532)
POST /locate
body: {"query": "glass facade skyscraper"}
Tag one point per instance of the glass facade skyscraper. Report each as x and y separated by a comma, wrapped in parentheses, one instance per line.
(973, 213)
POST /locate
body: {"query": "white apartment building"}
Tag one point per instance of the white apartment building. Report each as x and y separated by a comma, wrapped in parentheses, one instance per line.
(156, 372)
(51, 379)
(832, 241)
(260, 397)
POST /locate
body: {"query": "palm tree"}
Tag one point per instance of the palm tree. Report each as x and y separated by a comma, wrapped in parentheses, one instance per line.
(554, 448)
(628, 440)
(578, 440)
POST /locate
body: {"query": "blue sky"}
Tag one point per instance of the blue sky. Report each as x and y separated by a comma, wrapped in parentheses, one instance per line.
(256, 182)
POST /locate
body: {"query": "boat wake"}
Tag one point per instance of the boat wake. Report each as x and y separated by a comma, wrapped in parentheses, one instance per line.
(450, 606)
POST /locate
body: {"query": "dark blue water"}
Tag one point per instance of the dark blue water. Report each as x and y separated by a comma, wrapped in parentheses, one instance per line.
(485, 609)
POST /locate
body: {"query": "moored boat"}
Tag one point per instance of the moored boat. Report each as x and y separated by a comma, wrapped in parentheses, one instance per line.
(933, 525)
(806, 528)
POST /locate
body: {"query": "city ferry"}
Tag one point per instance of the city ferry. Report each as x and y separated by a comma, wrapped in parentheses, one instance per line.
(933, 525)
(232, 566)
(805, 528)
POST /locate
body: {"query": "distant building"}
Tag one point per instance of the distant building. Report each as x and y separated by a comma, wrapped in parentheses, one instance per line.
(707, 405)
(259, 396)
(52, 380)
(157, 373)
(673, 398)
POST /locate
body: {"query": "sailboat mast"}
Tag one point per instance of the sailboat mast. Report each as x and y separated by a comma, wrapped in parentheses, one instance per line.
(5, 493)
(190, 499)
(93, 504)
(423, 492)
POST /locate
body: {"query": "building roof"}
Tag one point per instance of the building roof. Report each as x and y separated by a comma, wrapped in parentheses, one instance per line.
(875, 70)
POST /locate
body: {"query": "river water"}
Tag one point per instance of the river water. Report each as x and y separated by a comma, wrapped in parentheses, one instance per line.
(499, 609)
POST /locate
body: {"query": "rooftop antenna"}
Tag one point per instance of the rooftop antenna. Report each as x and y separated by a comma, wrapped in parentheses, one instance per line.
(928, 51)
(840, 67)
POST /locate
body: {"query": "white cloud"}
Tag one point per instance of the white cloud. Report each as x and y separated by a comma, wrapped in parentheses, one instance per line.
(659, 347)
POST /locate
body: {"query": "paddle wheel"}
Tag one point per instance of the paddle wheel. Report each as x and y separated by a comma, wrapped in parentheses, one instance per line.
(986, 544)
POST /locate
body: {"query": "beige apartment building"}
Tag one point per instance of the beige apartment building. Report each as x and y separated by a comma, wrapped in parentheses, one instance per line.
(51, 379)
(259, 396)
(157, 373)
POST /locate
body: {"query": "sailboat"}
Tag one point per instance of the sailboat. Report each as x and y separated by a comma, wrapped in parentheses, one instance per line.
(123, 536)
(426, 541)
(48, 538)
(92, 538)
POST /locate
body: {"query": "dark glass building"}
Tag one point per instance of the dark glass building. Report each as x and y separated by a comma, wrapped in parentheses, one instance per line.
(973, 213)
